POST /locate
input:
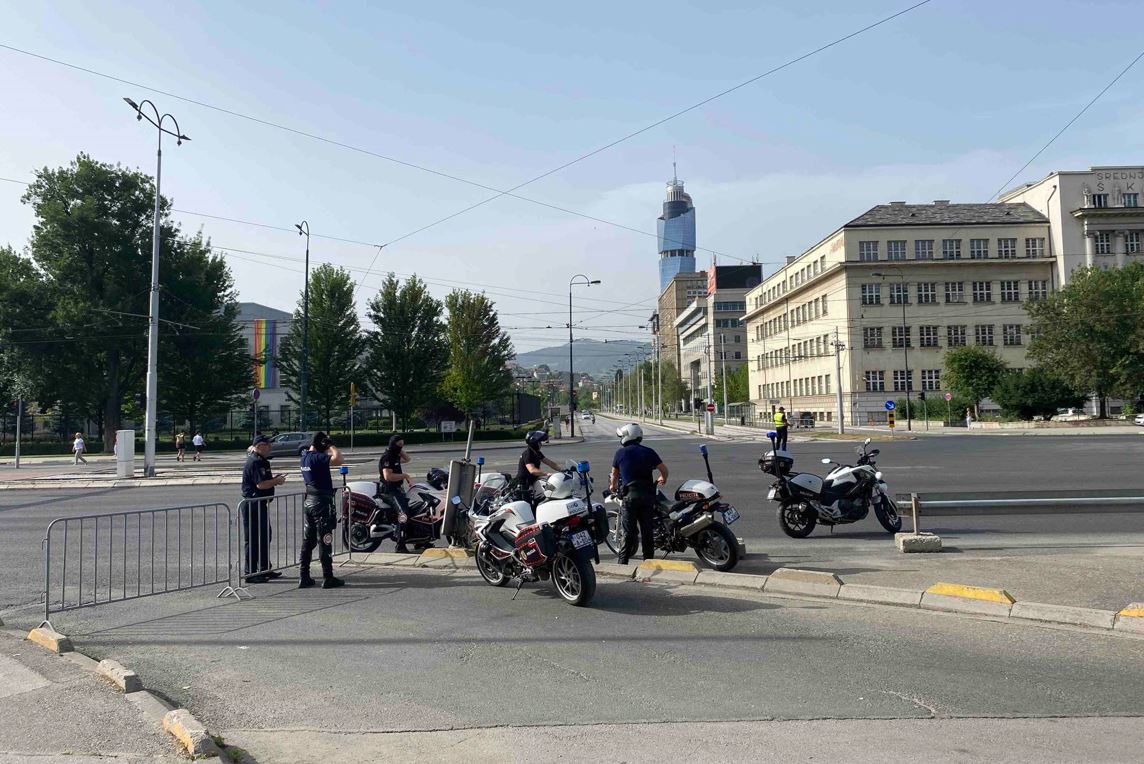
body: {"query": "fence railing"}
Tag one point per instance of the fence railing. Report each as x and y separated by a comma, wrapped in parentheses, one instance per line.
(270, 533)
(1025, 502)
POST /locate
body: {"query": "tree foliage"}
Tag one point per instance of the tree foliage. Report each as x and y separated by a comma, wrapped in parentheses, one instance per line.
(1033, 392)
(478, 352)
(738, 385)
(407, 353)
(336, 346)
(973, 372)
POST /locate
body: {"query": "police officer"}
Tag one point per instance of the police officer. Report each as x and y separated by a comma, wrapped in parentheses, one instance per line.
(258, 482)
(782, 427)
(632, 478)
(393, 482)
(528, 468)
(319, 508)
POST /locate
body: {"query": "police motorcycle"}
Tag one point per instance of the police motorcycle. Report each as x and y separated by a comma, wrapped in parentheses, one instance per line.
(557, 541)
(697, 518)
(370, 515)
(844, 496)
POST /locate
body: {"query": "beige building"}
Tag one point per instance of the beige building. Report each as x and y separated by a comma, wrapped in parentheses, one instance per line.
(902, 282)
(680, 292)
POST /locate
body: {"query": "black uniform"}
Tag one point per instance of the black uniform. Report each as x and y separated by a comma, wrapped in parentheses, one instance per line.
(320, 519)
(391, 460)
(636, 463)
(255, 522)
(525, 478)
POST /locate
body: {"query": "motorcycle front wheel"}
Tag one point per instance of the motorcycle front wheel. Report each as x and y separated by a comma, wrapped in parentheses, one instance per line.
(887, 513)
(489, 568)
(357, 538)
(717, 547)
(575, 578)
(797, 519)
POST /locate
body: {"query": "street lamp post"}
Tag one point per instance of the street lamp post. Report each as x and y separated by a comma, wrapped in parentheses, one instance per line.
(585, 281)
(905, 352)
(150, 432)
(304, 230)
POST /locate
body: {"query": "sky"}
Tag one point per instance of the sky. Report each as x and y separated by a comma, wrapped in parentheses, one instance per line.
(944, 102)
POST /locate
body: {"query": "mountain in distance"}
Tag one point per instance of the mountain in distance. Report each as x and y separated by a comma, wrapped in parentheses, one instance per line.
(595, 357)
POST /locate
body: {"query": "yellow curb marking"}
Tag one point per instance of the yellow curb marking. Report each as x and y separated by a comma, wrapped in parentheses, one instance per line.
(686, 567)
(443, 552)
(1135, 610)
(972, 592)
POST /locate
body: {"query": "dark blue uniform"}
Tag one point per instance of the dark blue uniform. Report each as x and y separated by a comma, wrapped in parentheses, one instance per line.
(320, 519)
(255, 523)
(636, 464)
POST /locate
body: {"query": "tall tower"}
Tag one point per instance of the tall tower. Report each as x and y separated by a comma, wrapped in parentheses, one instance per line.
(676, 229)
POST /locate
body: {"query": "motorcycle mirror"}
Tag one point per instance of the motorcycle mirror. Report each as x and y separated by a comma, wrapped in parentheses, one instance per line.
(826, 461)
(866, 442)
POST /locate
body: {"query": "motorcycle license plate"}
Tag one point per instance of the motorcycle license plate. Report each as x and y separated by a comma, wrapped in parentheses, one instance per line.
(771, 495)
(730, 515)
(581, 539)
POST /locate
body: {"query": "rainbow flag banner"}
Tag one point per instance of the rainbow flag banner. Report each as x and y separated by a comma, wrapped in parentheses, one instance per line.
(265, 336)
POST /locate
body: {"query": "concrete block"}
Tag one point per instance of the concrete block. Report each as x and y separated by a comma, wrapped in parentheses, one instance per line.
(731, 580)
(50, 639)
(119, 675)
(386, 558)
(1075, 616)
(917, 542)
(613, 570)
(880, 595)
(813, 583)
(1131, 618)
(190, 733)
(667, 571)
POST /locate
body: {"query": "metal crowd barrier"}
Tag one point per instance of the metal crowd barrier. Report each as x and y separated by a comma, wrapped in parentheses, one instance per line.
(120, 556)
(285, 519)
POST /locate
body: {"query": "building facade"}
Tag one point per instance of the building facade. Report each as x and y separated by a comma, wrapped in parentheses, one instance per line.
(263, 328)
(872, 309)
(676, 234)
(1095, 216)
(680, 292)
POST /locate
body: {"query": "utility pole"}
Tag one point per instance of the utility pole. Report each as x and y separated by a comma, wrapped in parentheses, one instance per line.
(838, 348)
(304, 229)
(19, 416)
(659, 382)
(723, 360)
(708, 417)
(640, 371)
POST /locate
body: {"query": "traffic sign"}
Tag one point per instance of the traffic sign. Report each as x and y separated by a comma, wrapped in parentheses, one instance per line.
(890, 405)
(949, 396)
(255, 393)
(711, 407)
(448, 425)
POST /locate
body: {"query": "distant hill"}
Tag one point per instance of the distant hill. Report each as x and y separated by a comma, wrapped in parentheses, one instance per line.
(594, 357)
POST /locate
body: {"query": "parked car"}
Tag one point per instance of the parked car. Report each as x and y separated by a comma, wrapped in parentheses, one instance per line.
(1139, 420)
(1070, 415)
(290, 443)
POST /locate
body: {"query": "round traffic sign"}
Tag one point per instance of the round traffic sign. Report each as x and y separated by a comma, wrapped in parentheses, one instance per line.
(949, 396)
(711, 407)
(890, 405)
(255, 393)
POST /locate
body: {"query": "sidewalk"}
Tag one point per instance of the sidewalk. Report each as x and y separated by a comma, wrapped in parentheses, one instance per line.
(54, 711)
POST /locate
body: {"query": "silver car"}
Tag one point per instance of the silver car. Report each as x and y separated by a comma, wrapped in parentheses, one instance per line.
(290, 443)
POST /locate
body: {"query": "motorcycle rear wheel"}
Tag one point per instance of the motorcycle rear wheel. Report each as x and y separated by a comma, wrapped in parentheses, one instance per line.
(489, 568)
(887, 513)
(717, 547)
(575, 579)
(357, 538)
(797, 519)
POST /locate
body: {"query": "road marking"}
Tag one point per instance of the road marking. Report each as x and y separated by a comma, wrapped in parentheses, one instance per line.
(686, 567)
(1135, 610)
(972, 592)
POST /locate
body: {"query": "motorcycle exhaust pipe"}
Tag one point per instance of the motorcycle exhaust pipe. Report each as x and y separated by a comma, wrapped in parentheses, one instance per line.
(697, 525)
(379, 531)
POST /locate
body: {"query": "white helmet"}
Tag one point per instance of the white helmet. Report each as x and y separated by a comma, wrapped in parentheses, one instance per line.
(558, 485)
(630, 433)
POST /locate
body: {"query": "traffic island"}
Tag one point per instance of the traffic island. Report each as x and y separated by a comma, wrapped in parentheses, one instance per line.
(917, 542)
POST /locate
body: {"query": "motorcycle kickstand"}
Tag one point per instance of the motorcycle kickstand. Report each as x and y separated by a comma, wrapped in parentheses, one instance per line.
(519, 584)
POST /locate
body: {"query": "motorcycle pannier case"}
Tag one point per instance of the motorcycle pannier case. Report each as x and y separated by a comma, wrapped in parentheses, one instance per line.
(600, 526)
(777, 462)
(535, 544)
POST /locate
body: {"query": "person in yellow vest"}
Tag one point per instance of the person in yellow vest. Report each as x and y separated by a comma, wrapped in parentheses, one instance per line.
(782, 427)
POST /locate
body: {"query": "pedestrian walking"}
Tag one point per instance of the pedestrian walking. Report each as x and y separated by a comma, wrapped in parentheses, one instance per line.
(180, 446)
(968, 417)
(320, 521)
(631, 478)
(258, 482)
(782, 429)
(78, 447)
(198, 442)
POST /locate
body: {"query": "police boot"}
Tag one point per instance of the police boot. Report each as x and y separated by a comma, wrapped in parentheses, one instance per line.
(333, 582)
(305, 580)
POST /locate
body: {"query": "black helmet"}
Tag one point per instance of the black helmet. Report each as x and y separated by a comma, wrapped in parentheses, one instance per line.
(437, 478)
(535, 437)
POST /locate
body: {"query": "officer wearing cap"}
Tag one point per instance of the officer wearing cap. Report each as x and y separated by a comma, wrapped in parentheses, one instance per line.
(258, 484)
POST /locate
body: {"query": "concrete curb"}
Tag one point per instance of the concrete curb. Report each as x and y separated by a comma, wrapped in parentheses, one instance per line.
(191, 734)
(674, 571)
(615, 570)
(1131, 618)
(123, 678)
(49, 639)
(881, 595)
(731, 580)
(1077, 616)
(387, 558)
(813, 583)
(960, 598)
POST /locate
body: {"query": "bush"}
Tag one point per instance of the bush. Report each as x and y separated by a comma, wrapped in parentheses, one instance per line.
(935, 408)
(1033, 392)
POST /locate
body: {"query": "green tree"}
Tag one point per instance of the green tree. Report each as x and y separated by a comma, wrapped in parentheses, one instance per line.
(1091, 332)
(336, 346)
(1033, 392)
(675, 390)
(973, 372)
(737, 385)
(478, 352)
(407, 352)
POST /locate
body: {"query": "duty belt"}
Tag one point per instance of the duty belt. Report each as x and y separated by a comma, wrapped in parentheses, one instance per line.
(326, 493)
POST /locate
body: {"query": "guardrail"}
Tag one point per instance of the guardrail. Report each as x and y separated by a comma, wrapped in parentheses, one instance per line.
(1025, 502)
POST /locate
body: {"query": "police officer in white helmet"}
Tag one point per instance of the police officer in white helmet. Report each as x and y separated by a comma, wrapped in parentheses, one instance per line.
(632, 478)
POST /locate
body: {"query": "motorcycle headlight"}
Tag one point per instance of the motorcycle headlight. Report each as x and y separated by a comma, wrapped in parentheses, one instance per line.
(878, 475)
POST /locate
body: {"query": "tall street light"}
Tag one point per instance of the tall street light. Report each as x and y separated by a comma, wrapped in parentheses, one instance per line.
(150, 433)
(304, 229)
(584, 281)
(905, 350)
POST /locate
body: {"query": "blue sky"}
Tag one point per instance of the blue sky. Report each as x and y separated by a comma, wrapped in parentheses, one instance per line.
(944, 102)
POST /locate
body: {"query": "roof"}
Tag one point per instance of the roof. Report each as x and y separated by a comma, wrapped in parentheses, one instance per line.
(899, 214)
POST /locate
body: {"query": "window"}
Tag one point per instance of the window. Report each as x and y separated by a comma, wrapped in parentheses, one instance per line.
(955, 291)
(900, 336)
(1132, 239)
(1104, 243)
(871, 294)
(872, 337)
(826, 385)
(931, 379)
(983, 334)
(923, 249)
(927, 336)
(738, 355)
(875, 381)
(1034, 247)
(1038, 290)
(867, 251)
(927, 293)
(1010, 291)
(902, 381)
(899, 294)
(983, 291)
(955, 336)
(1100, 200)
(731, 307)
(824, 305)
(1131, 200)
(978, 249)
(1006, 248)
(895, 250)
(1011, 334)
(951, 249)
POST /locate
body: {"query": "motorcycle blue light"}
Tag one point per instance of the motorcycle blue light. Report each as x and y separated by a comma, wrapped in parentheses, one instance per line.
(772, 434)
(343, 470)
(703, 449)
(480, 460)
(582, 467)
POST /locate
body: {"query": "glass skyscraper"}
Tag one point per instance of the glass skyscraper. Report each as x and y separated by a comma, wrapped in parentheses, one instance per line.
(676, 229)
